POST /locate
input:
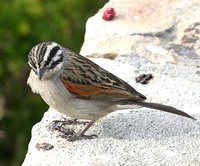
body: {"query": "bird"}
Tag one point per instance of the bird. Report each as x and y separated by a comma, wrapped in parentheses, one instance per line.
(79, 88)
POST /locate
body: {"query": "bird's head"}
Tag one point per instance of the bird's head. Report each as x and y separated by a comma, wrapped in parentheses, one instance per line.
(46, 59)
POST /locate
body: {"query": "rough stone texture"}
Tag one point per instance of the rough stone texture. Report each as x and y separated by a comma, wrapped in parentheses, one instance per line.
(132, 137)
(165, 30)
(142, 33)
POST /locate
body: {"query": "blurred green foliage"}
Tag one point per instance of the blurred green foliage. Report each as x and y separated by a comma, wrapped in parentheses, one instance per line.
(23, 24)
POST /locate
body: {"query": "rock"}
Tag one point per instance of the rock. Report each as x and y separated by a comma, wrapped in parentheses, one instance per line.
(135, 136)
(163, 31)
(141, 34)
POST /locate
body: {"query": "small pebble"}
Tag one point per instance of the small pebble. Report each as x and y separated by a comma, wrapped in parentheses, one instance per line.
(144, 78)
(44, 146)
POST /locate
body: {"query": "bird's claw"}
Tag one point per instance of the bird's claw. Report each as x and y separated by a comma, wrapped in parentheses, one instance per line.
(78, 136)
(67, 133)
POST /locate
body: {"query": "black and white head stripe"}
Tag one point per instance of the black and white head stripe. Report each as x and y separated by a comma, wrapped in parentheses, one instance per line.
(47, 54)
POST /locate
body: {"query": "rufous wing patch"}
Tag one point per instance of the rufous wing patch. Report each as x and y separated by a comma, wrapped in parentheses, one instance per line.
(85, 91)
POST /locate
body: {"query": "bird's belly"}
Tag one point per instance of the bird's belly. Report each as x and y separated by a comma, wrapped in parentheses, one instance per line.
(56, 96)
(62, 101)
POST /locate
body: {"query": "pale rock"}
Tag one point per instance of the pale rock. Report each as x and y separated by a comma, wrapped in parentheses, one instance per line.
(142, 32)
(135, 136)
(161, 24)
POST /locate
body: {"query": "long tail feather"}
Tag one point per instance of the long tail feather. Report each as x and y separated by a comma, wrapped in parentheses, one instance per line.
(157, 106)
(165, 108)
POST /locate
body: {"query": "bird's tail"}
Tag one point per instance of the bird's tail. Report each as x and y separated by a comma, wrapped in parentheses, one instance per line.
(157, 106)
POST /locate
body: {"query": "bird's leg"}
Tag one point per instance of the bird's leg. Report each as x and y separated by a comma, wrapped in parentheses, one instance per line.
(68, 133)
(68, 122)
(81, 134)
(62, 122)
(86, 128)
(76, 122)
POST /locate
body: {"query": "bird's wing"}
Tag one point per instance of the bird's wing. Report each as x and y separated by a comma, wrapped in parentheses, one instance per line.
(85, 79)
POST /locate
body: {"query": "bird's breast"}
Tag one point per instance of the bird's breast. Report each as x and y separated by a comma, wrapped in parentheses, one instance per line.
(59, 98)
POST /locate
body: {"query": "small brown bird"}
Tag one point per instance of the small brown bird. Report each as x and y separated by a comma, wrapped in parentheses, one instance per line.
(79, 88)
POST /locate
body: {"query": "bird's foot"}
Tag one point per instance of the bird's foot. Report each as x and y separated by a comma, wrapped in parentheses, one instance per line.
(78, 136)
(68, 133)
(59, 126)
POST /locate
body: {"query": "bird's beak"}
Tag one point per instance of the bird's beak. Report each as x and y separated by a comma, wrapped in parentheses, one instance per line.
(40, 72)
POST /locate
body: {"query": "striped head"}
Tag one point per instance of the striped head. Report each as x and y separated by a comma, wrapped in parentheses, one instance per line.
(46, 59)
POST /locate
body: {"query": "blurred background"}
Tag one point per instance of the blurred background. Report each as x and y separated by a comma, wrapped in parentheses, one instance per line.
(23, 24)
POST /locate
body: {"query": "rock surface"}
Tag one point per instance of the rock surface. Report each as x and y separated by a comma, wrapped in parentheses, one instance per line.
(141, 34)
(167, 30)
(132, 137)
